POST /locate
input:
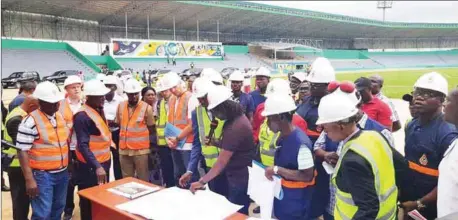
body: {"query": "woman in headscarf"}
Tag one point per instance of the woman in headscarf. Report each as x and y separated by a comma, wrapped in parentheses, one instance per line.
(149, 96)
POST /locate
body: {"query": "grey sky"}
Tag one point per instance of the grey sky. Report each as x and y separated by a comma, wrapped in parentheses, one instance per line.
(403, 11)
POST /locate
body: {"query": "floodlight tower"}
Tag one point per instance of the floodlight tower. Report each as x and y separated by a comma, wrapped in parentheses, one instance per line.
(384, 5)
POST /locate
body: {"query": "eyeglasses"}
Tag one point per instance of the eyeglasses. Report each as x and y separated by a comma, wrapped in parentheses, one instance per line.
(426, 93)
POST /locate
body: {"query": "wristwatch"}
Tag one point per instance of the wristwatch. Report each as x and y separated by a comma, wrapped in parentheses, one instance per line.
(276, 169)
(420, 205)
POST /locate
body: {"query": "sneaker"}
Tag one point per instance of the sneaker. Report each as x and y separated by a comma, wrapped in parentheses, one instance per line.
(5, 188)
(68, 216)
(257, 210)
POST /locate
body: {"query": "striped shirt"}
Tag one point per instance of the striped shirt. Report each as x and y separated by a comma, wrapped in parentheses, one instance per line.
(28, 132)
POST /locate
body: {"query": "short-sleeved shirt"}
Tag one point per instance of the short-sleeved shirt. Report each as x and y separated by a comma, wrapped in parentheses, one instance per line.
(447, 194)
(257, 97)
(425, 146)
(379, 111)
(238, 138)
(17, 101)
(394, 113)
(149, 121)
(246, 101)
(111, 107)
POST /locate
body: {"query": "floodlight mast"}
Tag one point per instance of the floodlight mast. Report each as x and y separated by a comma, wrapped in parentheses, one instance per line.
(384, 5)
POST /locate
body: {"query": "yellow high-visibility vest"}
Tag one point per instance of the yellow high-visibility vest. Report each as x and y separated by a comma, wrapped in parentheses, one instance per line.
(373, 147)
(11, 151)
(267, 144)
(210, 153)
(160, 125)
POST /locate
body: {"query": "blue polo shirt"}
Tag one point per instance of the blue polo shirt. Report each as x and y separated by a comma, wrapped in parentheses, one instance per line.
(246, 101)
(257, 97)
(196, 151)
(425, 146)
(308, 110)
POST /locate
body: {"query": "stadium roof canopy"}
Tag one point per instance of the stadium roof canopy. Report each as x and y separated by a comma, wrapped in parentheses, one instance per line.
(232, 16)
(283, 46)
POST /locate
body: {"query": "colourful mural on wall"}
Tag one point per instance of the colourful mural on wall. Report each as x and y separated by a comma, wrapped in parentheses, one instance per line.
(162, 49)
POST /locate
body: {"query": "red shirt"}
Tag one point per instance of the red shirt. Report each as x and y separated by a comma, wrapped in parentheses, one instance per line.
(258, 119)
(379, 111)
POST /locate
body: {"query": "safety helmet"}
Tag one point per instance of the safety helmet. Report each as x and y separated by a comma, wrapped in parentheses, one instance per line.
(217, 95)
(301, 76)
(110, 80)
(216, 78)
(48, 92)
(95, 87)
(201, 86)
(170, 80)
(277, 104)
(335, 107)
(159, 87)
(236, 76)
(278, 86)
(72, 80)
(321, 71)
(100, 77)
(208, 72)
(262, 71)
(432, 81)
(132, 86)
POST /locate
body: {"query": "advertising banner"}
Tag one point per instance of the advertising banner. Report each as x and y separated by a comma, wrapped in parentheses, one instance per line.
(128, 48)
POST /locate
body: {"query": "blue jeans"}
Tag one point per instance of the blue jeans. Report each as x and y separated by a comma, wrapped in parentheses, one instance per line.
(50, 202)
(180, 163)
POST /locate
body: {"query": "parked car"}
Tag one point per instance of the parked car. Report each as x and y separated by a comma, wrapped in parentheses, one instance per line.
(16, 78)
(60, 76)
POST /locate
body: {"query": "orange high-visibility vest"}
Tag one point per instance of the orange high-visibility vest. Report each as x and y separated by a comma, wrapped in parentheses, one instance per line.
(134, 132)
(179, 118)
(98, 144)
(50, 150)
(66, 111)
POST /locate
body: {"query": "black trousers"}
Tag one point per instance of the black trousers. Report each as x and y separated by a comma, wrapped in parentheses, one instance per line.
(165, 155)
(115, 154)
(87, 178)
(70, 204)
(19, 196)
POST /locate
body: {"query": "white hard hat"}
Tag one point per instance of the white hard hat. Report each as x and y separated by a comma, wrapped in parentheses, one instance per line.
(433, 81)
(278, 86)
(208, 72)
(236, 76)
(100, 77)
(48, 92)
(201, 86)
(159, 87)
(262, 71)
(132, 86)
(216, 78)
(72, 80)
(95, 88)
(321, 71)
(217, 95)
(112, 80)
(277, 104)
(170, 80)
(335, 107)
(301, 76)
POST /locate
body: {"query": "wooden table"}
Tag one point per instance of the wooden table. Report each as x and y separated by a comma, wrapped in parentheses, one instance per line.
(104, 202)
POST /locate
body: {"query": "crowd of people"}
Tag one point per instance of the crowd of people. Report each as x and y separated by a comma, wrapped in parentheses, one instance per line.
(330, 142)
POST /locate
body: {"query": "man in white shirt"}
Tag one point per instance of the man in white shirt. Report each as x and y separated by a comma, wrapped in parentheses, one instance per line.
(69, 107)
(377, 84)
(112, 100)
(447, 190)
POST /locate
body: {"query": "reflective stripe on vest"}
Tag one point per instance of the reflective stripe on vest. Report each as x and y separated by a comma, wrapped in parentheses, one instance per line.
(98, 144)
(134, 133)
(210, 153)
(299, 184)
(11, 151)
(66, 111)
(267, 144)
(50, 150)
(179, 116)
(374, 148)
(160, 125)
